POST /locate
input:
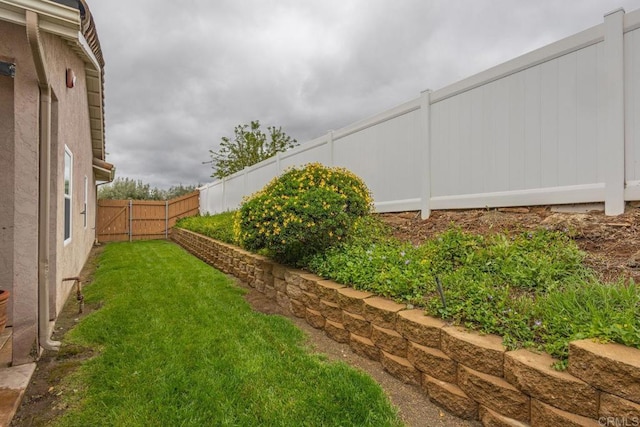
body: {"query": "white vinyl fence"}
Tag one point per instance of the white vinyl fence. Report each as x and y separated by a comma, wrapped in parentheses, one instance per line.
(558, 125)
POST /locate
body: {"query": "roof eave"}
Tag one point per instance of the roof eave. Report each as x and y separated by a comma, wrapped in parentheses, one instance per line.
(95, 95)
(58, 19)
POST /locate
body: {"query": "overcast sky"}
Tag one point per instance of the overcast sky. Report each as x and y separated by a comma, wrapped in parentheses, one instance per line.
(182, 74)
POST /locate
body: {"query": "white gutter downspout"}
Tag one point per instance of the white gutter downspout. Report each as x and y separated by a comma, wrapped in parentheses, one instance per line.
(44, 193)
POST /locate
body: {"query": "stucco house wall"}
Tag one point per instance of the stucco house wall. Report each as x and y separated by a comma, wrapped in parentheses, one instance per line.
(7, 167)
(76, 126)
(70, 129)
(21, 245)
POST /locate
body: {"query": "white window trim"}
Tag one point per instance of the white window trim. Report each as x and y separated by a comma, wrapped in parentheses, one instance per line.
(85, 208)
(67, 196)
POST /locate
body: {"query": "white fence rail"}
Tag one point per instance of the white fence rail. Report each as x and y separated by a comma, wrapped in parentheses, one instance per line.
(558, 125)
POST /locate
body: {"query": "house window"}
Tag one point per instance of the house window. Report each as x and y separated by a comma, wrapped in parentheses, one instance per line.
(68, 178)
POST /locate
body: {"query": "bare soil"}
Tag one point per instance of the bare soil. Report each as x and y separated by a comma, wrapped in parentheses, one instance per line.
(43, 400)
(612, 245)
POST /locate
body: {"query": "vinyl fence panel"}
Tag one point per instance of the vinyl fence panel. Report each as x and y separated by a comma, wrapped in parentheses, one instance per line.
(385, 151)
(316, 151)
(632, 105)
(235, 190)
(558, 125)
(260, 174)
(518, 128)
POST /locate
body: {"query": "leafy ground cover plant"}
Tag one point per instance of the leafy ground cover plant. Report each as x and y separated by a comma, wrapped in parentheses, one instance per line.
(219, 226)
(177, 345)
(302, 212)
(532, 288)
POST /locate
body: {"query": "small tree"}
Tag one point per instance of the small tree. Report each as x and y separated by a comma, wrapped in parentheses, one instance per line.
(249, 146)
(178, 190)
(125, 188)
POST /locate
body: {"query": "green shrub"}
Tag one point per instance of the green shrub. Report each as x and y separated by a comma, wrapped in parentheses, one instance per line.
(302, 212)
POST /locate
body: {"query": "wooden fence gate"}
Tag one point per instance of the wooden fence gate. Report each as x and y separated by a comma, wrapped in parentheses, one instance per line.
(122, 220)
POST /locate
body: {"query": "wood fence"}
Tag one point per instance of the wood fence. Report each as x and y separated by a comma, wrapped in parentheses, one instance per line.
(127, 220)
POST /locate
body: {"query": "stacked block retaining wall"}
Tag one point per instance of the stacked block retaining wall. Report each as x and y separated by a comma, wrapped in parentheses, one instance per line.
(472, 376)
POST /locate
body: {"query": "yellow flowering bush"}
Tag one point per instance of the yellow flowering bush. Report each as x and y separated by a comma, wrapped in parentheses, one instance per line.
(302, 212)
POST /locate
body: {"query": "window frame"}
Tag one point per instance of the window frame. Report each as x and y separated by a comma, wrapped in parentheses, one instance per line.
(68, 195)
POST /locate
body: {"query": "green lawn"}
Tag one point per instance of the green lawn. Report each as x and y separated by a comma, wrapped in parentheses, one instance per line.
(179, 346)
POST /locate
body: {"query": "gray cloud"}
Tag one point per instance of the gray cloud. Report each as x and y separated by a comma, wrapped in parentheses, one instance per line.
(180, 75)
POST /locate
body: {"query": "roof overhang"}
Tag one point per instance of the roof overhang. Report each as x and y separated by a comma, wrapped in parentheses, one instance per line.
(66, 23)
(63, 21)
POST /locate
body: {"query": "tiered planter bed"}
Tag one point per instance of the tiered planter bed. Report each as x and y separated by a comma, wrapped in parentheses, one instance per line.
(470, 375)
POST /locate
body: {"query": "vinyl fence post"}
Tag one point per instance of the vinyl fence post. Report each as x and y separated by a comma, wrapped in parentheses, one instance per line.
(330, 139)
(224, 195)
(613, 104)
(203, 194)
(245, 183)
(207, 200)
(425, 132)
